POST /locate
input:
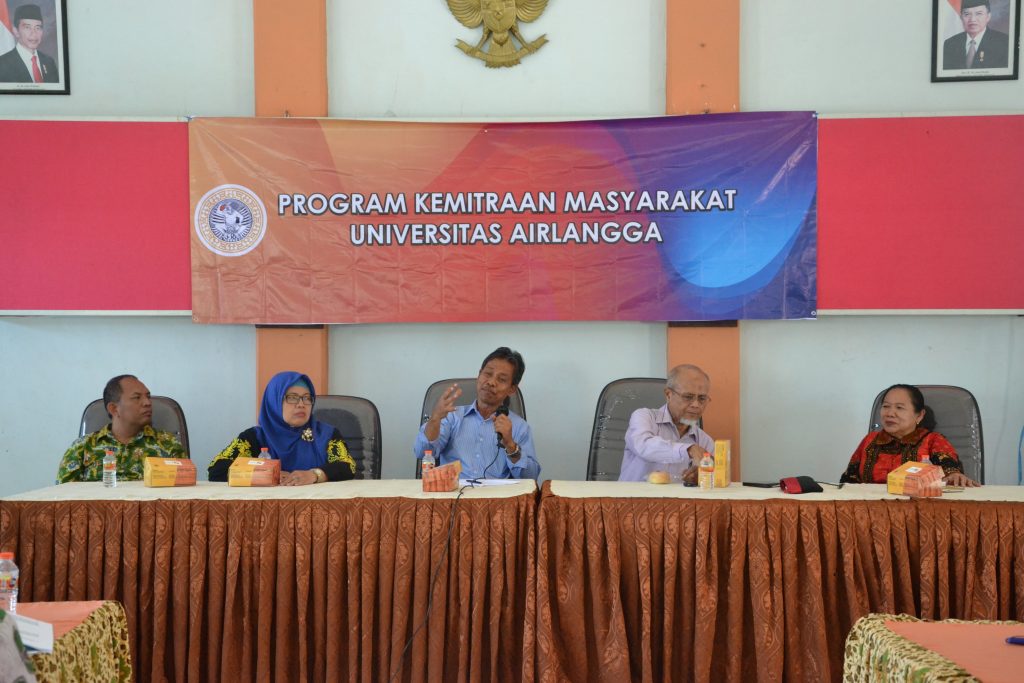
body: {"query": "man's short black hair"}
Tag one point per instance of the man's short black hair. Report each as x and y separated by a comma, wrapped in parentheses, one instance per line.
(112, 392)
(513, 357)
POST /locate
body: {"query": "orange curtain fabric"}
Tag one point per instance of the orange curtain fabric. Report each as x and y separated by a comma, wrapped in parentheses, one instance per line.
(652, 589)
(291, 590)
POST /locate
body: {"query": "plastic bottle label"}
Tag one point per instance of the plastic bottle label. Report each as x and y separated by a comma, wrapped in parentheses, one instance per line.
(109, 466)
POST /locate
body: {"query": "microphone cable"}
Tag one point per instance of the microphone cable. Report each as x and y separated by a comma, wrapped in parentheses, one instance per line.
(433, 582)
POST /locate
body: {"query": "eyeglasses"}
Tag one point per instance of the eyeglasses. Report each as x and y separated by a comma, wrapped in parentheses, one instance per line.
(295, 399)
(691, 398)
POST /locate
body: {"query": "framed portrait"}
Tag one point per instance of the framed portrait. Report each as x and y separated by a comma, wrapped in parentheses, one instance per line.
(975, 40)
(34, 48)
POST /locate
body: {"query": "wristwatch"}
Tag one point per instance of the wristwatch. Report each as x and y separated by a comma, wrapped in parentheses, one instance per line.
(514, 453)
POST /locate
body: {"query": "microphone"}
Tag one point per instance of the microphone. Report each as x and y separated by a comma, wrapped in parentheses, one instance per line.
(502, 410)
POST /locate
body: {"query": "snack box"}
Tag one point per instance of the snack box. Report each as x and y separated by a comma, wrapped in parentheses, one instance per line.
(918, 479)
(254, 472)
(723, 455)
(443, 478)
(168, 472)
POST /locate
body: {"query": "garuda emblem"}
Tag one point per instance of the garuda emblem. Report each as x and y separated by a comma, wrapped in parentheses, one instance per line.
(501, 29)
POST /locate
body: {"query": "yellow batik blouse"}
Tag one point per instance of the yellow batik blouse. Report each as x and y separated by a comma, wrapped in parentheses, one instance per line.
(337, 463)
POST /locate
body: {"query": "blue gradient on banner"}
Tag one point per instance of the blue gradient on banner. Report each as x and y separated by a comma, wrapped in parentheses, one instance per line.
(735, 263)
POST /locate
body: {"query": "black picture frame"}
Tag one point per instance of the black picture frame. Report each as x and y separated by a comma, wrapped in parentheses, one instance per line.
(52, 50)
(1000, 43)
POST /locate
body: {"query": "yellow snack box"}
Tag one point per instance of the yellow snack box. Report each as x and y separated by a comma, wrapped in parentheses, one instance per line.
(254, 472)
(723, 471)
(168, 472)
(918, 479)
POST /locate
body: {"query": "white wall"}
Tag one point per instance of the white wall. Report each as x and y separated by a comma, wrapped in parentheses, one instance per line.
(152, 59)
(807, 386)
(396, 58)
(52, 367)
(567, 365)
(870, 57)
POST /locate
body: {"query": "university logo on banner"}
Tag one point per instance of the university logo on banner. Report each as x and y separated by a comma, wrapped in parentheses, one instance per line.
(230, 220)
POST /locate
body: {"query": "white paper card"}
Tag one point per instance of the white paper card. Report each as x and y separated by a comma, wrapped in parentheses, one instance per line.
(36, 635)
(487, 482)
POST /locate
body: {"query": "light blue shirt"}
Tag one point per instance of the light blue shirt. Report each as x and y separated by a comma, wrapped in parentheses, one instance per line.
(465, 435)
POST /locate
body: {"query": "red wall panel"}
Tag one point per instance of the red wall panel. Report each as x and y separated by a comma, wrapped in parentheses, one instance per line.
(94, 216)
(921, 213)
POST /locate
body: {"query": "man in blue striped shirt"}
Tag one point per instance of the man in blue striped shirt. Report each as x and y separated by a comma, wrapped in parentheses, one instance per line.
(491, 443)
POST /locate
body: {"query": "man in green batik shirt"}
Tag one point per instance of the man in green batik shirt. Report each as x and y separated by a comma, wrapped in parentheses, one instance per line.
(130, 435)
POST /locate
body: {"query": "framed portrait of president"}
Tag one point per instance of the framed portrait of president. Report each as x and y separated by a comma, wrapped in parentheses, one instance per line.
(975, 40)
(34, 48)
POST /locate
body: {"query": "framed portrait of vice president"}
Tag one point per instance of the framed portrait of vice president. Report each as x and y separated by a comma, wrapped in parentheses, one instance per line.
(34, 48)
(975, 40)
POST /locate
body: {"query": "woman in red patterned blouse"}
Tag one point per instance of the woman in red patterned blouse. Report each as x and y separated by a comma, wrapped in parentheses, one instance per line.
(901, 440)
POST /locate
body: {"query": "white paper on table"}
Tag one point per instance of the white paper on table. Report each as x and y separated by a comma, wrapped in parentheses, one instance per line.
(487, 482)
(35, 634)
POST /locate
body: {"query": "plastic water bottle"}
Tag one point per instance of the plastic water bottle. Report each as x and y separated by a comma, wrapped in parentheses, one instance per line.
(706, 475)
(109, 470)
(264, 453)
(8, 583)
(427, 461)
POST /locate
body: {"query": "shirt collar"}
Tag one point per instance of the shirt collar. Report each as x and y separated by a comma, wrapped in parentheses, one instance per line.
(108, 432)
(977, 40)
(471, 408)
(25, 53)
(665, 417)
(911, 438)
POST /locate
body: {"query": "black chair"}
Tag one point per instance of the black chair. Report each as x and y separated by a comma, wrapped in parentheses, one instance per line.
(516, 403)
(956, 417)
(615, 405)
(167, 416)
(359, 423)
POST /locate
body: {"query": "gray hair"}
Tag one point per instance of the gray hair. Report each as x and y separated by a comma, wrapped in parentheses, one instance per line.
(674, 373)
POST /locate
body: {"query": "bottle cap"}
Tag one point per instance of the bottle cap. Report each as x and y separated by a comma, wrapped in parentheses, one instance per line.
(6, 556)
(265, 448)
(428, 451)
(109, 451)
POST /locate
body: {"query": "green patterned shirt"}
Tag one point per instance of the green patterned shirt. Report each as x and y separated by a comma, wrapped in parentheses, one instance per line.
(84, 460)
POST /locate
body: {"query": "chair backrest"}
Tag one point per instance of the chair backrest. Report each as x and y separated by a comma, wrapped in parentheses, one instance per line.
(359, 423)
(516, 404)
(615, 405)
(167, 417)
(957, 418)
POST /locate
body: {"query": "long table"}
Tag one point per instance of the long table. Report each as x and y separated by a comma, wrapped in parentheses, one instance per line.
(649, 583)
(325, 582)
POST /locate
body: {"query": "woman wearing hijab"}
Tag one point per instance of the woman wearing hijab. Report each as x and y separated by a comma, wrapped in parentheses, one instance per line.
(310, 452)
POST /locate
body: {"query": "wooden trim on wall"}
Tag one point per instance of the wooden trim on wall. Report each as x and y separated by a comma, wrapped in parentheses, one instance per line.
(290, 57)
(702, 55)
(290, 62)
(702, 75)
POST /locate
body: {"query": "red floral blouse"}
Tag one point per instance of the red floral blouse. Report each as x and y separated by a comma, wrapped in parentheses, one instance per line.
(880, 453)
